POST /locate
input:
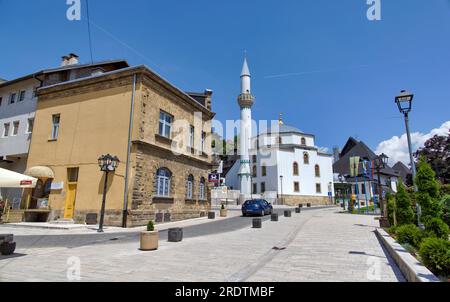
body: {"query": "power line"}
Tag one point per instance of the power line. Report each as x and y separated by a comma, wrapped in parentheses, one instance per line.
(89, 31)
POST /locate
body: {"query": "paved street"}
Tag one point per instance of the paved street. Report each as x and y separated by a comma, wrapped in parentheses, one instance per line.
(317, 245)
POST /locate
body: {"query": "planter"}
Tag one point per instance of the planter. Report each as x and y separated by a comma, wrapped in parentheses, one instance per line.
(300, 206)
(257, 223)
(223, 213)
(7, 248)
(298, 210)
(287, 213)
(308, 205)
(149, 241)
(212, 215)
(176, 235)
(274, 217)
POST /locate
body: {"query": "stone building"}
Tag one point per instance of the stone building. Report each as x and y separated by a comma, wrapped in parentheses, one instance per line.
(160, 134)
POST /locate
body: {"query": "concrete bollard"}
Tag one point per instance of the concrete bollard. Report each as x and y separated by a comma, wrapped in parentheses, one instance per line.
(288, 214)
(176, 235)
(212, 215)
(274, 217)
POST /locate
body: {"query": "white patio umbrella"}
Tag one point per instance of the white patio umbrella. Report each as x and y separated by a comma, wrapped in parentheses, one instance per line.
(10, 179)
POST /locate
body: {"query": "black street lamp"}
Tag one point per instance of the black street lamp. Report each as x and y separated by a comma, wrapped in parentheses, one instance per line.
(107, 164)
(404, 103)
(381, 162)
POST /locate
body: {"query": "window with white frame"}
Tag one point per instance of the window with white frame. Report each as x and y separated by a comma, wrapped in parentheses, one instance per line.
(191, 136)
(56, 119)
(189, 187)
(15, 131)
(22, 95)
(202, 195)
(165, 124)
(203, 141)
(163, 180)
(6, 129)
(12, 98)
(30, 125)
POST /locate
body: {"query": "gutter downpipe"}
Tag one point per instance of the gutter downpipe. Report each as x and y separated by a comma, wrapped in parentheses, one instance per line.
(127, 172)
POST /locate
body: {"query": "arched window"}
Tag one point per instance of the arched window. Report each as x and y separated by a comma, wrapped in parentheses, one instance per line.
(202, 195)
(306, 158)
(303, 141)
(296, 169)
(189, 187)
(163, 180)
(255, 171)
(317, 171)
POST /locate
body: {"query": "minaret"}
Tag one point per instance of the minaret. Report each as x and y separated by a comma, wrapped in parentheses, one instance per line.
(245, 101)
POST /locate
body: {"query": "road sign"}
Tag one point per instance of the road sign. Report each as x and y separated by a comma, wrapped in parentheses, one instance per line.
(214, 178)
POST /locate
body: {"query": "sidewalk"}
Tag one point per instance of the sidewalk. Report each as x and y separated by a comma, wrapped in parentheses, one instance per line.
(319, 245)
(25, 229)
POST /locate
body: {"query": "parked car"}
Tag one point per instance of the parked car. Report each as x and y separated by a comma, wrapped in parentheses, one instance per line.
(257, 207)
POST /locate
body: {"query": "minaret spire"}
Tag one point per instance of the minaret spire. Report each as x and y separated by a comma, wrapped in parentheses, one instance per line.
(245, 77)
(245, 101)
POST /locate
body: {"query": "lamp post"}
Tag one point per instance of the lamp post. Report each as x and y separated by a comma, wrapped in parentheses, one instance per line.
(381, 162)
(404, 102)
(107, 164)
(343, 190)
(281, 179)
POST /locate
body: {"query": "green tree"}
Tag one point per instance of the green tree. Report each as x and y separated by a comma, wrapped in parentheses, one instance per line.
(428, 194)
(436, 152)
(404, 211)
(390, 207)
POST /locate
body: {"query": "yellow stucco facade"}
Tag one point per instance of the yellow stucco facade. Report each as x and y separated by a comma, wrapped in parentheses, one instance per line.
(94, 119)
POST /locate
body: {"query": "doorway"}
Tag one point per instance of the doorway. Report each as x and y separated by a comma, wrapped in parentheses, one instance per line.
(72, 186)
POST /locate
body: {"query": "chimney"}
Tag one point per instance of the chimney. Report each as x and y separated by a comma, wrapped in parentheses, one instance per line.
(336, 154)
(71, 59)
(208, 101)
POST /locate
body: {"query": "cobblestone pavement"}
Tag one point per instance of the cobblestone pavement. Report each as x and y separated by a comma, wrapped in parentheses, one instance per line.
(317, 245)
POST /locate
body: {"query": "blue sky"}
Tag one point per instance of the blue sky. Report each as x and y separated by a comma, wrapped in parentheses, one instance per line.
(345, 70)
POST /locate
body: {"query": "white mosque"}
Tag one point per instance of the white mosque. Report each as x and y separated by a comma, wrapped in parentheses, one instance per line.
(281, 163)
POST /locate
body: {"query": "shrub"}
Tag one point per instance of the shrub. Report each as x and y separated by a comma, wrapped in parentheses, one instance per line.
(404, 211)
(409, 234)
(351, 206)
(438, 228)
(445, 204)
(428, 191)
(435, 254)
(390, 208)
(392, 230)
(150, 226)
(223, 207)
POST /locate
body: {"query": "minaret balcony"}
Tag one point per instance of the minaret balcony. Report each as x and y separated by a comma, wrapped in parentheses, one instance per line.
(246, 100)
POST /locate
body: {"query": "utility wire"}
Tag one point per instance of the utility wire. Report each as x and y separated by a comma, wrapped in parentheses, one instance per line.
(89, 31)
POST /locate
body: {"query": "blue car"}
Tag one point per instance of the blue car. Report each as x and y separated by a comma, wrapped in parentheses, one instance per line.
(257, 207)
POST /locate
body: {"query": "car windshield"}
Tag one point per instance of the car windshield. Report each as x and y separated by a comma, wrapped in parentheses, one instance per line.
(248, 202)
